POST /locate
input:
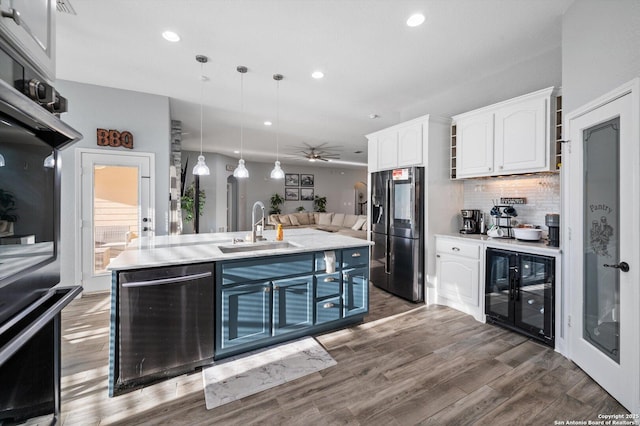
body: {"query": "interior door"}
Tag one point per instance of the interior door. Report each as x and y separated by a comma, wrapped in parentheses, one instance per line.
(115, 208)
(604, 235)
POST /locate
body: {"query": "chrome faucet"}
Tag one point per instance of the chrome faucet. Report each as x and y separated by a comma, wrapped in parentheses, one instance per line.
(253, 221)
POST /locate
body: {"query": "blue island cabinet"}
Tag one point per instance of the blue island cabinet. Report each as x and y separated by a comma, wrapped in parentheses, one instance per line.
(267, 300)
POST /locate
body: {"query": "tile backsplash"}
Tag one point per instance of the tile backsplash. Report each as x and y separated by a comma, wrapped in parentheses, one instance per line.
(542, 193)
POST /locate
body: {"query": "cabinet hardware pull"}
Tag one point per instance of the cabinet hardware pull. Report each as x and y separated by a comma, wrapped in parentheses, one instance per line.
(455, 248)
(355, 255)
(437, 255)
(267, 290)
(275, 287)
(329, 280)
(328, 305)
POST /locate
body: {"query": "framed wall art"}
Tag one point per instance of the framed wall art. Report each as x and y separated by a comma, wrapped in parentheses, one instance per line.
(306, 194)
(291, 194)
(291, 179)
(306, 180)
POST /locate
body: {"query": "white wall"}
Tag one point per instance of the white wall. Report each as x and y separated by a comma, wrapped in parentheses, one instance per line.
(335, 183)
(92, 107)
(537, 73)
(600, 48)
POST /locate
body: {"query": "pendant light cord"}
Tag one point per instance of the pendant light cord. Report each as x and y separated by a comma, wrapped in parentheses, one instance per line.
(201, 101)
(277, 120)
(241, 113)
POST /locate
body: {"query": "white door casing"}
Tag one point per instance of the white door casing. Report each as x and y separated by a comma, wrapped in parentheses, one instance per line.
(621, 378)
(86, 160)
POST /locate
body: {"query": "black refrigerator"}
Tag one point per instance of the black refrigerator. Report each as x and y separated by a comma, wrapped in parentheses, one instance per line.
(397, 222)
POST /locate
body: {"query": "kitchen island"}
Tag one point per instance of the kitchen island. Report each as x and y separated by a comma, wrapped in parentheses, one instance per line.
(179, 302)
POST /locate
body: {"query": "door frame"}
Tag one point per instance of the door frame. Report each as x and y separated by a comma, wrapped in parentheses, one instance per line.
(631, 88)
(78, 258)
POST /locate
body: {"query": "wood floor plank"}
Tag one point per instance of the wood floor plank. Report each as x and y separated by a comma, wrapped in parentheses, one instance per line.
(406, 364)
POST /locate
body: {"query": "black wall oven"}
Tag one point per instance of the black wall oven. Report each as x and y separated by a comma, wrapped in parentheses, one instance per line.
(30, 300)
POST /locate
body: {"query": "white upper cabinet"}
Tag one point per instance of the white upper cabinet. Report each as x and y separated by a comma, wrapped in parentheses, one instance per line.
(522, 137)
(401, 145)
(410, 145)
(387, 144)
(28, 27)
(510, 137)
(475, 145)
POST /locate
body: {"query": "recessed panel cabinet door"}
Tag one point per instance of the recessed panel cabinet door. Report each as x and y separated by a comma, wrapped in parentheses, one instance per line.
(521, 137)
(292, 304)
(458, 278)
(410, 145)
(355, 288)
(246, 314)
(387, 150)
(475, 145)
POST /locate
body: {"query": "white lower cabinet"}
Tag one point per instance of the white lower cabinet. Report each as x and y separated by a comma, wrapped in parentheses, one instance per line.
(458, 268)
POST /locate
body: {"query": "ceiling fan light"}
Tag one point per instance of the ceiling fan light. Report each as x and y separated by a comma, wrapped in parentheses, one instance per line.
(277, 172)
(312, 159)
(201, 169)
(241, 171)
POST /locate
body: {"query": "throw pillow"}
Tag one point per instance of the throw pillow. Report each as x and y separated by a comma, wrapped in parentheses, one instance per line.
(303, 218)
(315, 219)
(349, 220)
(284, 219)
(324, 218)
(273, 218)
(364, 225)
(338, 219)
(294, 219)
(358, 225)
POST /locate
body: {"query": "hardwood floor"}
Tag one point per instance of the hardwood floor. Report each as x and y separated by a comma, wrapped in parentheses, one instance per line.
(407, 364)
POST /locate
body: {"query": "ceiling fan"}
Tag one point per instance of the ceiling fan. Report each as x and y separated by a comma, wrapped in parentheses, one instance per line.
(322, 152)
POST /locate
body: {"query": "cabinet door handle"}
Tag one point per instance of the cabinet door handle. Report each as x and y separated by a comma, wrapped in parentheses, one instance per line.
(329, 280)
(437, 255)
(161, 281)
(267, 289)
(455, 248)
(355, 254)
(328, 305)
(275, 287)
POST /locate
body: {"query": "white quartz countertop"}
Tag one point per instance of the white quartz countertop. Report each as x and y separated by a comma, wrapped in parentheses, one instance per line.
(533, 247)
(177, 249)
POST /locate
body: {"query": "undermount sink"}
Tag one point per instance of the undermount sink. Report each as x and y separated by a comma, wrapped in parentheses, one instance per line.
(246, 247)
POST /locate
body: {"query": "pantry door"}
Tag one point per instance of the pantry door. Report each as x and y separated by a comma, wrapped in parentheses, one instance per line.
(603, 248)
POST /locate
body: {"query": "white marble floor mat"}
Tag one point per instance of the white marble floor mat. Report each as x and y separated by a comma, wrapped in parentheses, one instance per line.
(236, 377)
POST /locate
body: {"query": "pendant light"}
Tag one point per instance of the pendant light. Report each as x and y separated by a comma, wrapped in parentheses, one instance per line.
(277, 172)
(201, 169)
(241, 171)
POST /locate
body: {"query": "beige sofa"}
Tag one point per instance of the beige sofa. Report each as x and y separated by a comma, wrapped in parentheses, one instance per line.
(347, 224)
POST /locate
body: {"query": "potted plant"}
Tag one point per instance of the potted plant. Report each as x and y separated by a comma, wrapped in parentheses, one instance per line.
(7, 206)
(187, 202)
(276, 201)
(320, 204)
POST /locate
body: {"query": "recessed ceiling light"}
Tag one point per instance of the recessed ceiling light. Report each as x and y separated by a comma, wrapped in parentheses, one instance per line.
(236, 152)
(373, 116)
(415, 20)
(317, 74)
(171, 36)
(268, 123)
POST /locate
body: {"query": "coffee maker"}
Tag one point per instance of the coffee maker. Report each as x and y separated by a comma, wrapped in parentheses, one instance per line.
(470, 221)
(553, 223)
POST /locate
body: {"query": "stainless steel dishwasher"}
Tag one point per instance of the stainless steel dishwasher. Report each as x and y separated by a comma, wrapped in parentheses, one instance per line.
(164, 324)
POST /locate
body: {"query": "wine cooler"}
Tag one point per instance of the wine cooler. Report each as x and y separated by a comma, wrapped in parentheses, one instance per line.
(519, 293)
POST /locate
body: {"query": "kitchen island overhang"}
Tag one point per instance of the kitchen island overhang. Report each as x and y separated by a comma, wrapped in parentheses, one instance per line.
(179, 302)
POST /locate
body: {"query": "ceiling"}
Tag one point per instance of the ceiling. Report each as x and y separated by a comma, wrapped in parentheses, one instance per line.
(373, 62)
